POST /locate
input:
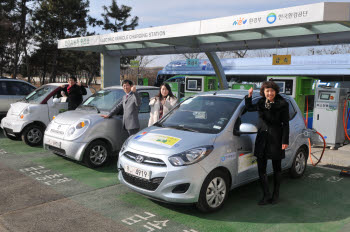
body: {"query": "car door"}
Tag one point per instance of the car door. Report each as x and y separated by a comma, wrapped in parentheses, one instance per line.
(293, 133)
(247, 165)
(4, 97)
(145, 109)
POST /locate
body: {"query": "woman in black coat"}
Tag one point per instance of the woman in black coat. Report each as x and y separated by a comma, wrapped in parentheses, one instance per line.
(74, 93)
(273, 135)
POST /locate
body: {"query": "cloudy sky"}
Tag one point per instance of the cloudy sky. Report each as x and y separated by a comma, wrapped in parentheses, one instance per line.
(153, 13)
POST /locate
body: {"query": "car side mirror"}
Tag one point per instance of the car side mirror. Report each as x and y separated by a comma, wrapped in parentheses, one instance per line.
(247, 128)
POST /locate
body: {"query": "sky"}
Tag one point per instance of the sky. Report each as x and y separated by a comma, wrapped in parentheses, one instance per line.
(154, 13)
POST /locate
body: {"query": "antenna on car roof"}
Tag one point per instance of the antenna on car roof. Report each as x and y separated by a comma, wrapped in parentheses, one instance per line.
(214, 93)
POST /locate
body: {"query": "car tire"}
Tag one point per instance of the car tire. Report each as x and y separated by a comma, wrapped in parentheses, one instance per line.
(299, 163)
(97, 154)
(33, 135)
(214, 192)
(10, 136)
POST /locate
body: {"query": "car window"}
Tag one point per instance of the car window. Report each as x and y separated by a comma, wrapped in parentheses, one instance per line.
(250, 117)
(14, 88)
(104, 99)
(3, 88)
(25, 88)
(144, 108)
(205, 114)
(40, 94)
(292, 111)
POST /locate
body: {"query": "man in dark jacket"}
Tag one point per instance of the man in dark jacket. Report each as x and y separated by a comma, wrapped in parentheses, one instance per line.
(130, 106)
(74, 93)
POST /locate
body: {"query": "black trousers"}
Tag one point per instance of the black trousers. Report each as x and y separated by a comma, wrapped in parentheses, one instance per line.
(262, 164)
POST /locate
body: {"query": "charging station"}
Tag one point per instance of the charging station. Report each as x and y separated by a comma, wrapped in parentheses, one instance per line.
(328, 115)
(200, 84)
(298, 88)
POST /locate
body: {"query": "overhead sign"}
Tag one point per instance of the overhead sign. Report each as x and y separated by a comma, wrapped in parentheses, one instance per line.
(134, 63)
(318, 12)
(281, 59)
(192, 62)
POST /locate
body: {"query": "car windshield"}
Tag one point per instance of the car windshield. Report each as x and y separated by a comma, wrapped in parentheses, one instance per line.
(40, 94)
(204, 114)
(104, 100)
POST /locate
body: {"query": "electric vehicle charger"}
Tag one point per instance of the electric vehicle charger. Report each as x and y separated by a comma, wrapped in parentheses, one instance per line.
(308, 135)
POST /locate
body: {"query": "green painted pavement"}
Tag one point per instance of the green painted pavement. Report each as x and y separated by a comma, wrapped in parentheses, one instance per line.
(318, 202)
(18, 147)
(96, 178)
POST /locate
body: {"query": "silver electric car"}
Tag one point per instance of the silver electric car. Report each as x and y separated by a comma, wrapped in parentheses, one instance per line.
(83, 135)
(202, 149)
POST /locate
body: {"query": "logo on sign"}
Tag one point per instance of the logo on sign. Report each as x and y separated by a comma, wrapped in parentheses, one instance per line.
(140, 158)
(271, 18)
(240, 21)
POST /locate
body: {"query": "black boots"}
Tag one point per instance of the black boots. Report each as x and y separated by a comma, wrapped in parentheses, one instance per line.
(276, 187)
(265, 187)
(267, 199)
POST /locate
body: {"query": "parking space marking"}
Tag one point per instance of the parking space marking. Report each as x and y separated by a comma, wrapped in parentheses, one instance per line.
(45, 176)
(150, 225)
(3, 152)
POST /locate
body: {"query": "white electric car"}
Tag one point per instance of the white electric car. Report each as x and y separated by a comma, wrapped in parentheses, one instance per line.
(27, 119)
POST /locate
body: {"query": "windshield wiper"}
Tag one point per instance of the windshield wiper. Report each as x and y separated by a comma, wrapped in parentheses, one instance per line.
(183, 128)
(158, 124)
(98, 111)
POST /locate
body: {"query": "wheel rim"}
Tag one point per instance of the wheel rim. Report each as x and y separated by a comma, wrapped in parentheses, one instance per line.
(216, 192)
(98, 155)
(300, 163)
(34, 135)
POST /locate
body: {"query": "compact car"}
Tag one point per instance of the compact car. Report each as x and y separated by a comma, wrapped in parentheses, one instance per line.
(84, 135)
(202, 149)
(27, 119)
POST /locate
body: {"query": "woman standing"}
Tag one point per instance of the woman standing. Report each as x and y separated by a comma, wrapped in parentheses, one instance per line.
(161, 104)
(74, 92)
(273, 135)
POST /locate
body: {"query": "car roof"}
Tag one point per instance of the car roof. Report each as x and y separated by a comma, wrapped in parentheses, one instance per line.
(234, 93)
(15, 80)
(139, 87)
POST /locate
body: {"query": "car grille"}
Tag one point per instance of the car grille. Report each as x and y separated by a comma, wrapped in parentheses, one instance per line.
(147, 160)
(151, 184)
(56, 150)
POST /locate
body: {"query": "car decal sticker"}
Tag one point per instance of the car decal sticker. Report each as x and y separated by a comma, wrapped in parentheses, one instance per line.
(163, 140)
(246, 161)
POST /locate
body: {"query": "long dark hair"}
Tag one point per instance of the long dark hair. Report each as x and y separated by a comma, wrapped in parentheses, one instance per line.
(269, 84)
(167, 86)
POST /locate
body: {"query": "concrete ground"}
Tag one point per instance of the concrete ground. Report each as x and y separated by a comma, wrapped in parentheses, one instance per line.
(44, 192)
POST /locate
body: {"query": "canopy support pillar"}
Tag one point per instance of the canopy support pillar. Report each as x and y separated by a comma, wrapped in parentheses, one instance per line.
(219, 70)
(110, 69)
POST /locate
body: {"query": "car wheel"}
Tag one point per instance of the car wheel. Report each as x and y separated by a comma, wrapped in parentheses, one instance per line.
(214, 192)
(96, 154)
(33, 135)
(299, 163)
(10, 136)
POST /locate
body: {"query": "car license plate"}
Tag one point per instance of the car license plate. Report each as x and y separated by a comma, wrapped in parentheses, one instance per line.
(138, 172)
(54, 143)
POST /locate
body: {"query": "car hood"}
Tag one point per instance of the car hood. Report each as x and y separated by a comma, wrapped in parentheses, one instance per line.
(168, 141)
(70, 117)
(18, 107)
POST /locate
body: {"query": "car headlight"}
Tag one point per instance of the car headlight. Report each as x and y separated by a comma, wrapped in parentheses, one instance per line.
(190, 156)
(24, 112)
(78, 128)
(125, 144)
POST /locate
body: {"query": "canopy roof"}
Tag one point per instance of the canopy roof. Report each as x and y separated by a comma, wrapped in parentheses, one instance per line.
(315, 24)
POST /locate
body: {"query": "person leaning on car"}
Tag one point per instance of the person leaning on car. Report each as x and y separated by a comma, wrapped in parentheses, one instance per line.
(74, 92)
(273, 136)
(130, 105)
